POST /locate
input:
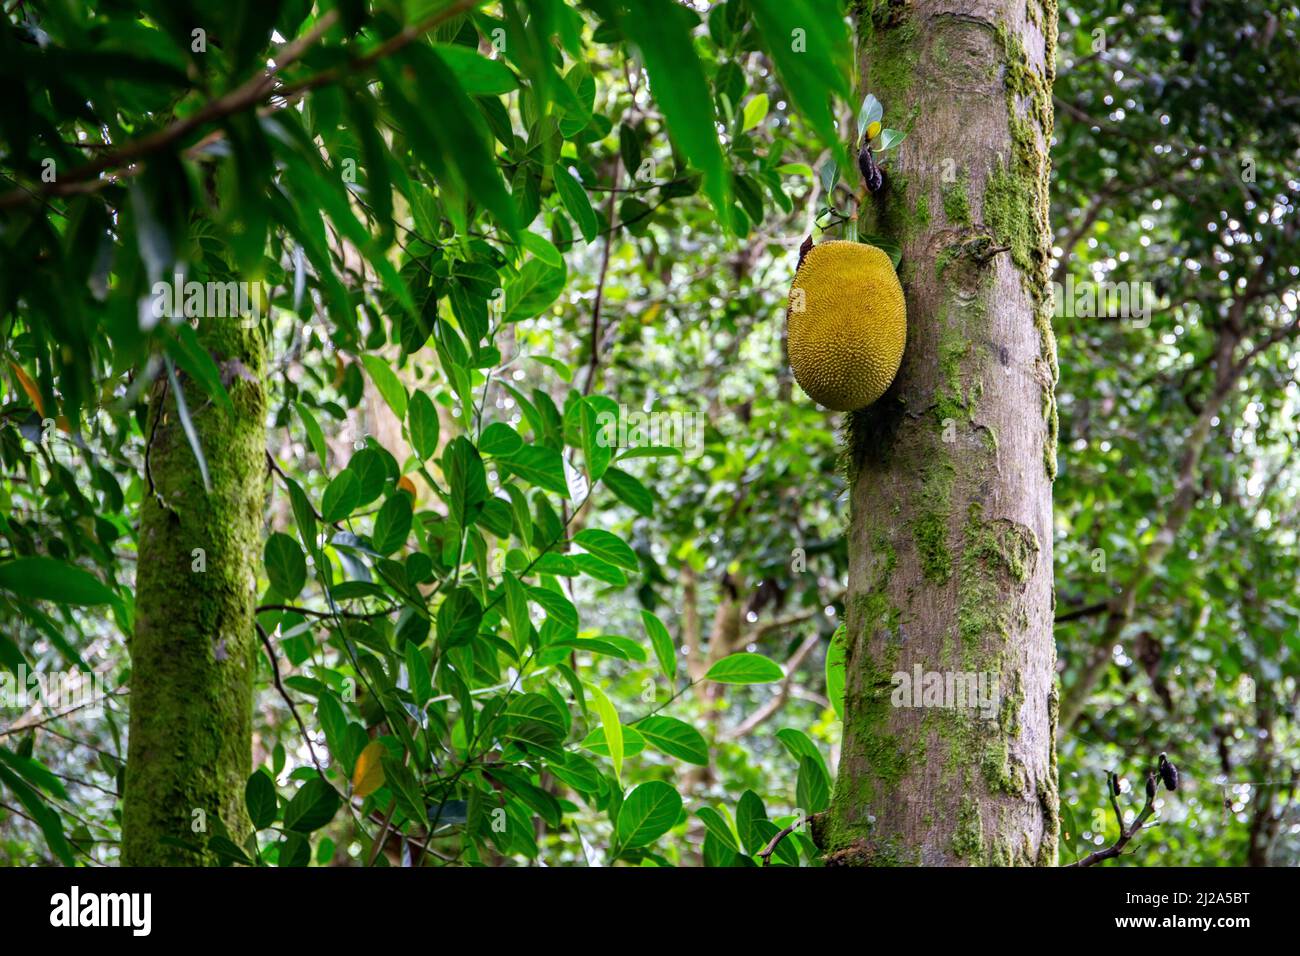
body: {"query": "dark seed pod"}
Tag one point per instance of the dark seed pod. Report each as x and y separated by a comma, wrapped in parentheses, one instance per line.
(872, 174)
(1114, 783)
(1168, 773)
(1151, 787)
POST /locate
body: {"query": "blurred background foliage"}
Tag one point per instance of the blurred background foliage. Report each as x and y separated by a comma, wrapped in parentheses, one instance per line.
(482, 226)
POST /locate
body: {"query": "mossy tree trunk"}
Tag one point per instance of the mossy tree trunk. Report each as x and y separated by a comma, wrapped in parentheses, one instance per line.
(951, 533)
(194, 649)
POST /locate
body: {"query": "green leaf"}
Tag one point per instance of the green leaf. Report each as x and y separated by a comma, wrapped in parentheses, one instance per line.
(341, 497)
(870, 112)
(630, 491)
(612, 727)
(392, 524)
(499, 440)
(389, 385)
(539, 466)
(453, 133)
(596, 443)
(649, 812)
(285, 565)
(517, 610)
(312, 807)
(717, 824)
(813, 788)
(368, 465)
(800, 745)
(812, 70)
(187, 424)
(608, 547)
(259, 796)
(422, 423)
(755, 112)
(661, 30)
(478, 75)
(543, 249)
(467, 480)
(533, 291)
(45, 579)
(50, 823)
(534, 719)
(662, 642)
(417, 670)
(675, 738)
(835, 658)
(314, 434)
(574, 199)
(458, 618)
(745, 668)
(889, 138)
(750, 812)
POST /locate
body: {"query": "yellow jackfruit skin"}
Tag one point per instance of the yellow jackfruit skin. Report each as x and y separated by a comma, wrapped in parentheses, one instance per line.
(847, 324)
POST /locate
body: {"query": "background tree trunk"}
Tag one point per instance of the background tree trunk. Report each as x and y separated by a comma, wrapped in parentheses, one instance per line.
(951, 534)
(194, 650)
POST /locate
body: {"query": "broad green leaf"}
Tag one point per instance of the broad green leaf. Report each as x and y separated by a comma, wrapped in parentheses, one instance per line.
(498, 440)
(314, 434)
(539, 466)
(417, 670)
(392, 524)
(662, 642)
(717, 824)
(259, 796)
(675, 738)
(608, 547)
(745, 668)
(813, 789)
(312, 807)
(574, 199)
(458, 618)
(755, 112)
(534, 718)
(341, 497)
(814, 69)
(477, 75)
(612, 727)
(661, 30)
(422, 423)
(45, 579)
(835, 660)
(389, 385)
(285, 565)
(649, 812)
(630, 491)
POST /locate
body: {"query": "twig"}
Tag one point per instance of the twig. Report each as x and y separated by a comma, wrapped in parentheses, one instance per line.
(765, 854)
(293, 708)
(1125, 835)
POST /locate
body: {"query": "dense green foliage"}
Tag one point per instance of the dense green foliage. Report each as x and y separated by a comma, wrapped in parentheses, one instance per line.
(484, 232)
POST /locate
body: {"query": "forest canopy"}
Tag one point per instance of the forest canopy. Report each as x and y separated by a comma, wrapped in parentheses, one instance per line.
(401, 463)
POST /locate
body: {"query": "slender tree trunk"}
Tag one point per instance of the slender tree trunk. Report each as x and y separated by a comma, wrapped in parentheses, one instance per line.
(194, 650)
(950, 542)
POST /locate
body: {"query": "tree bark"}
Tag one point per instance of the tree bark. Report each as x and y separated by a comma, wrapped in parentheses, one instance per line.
(950, 541)
(193, 654)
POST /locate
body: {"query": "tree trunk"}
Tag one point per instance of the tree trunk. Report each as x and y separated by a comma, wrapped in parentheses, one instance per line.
(194, 650)
(950, 568)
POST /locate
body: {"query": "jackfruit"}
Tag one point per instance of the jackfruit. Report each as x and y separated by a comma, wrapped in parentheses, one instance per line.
(847, 324)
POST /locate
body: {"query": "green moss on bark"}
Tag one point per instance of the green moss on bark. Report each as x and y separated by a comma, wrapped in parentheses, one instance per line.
(193, 653)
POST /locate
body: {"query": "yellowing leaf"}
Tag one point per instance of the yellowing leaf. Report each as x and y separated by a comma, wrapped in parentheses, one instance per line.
(407, 485)
(368, 775)
(29, 387)
(873, 131)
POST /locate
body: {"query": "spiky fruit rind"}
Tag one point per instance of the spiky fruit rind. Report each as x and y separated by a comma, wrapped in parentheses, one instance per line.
(847, 324)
